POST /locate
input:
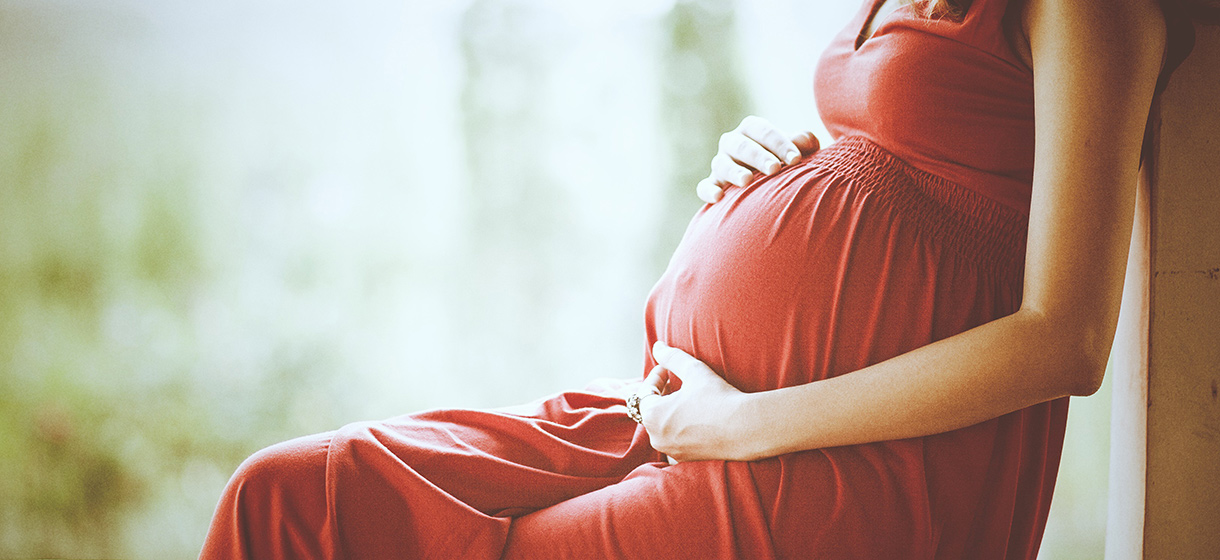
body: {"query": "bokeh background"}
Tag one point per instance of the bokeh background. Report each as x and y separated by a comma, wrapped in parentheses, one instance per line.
(228, 223)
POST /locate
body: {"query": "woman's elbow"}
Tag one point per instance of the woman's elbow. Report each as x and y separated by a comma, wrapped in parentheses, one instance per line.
(1087, 380)
(1074, 354)
(1092, 353)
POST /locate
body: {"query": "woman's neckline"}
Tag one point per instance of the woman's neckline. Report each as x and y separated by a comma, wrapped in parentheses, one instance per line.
(875, 20)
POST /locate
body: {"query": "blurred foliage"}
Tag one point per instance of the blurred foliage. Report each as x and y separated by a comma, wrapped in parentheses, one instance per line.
(71, 406)
(93, 246)
(704, 97)
(508, 58)
(102, 403)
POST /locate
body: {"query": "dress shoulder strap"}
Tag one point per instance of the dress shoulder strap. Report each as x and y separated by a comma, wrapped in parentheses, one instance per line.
(983, 26)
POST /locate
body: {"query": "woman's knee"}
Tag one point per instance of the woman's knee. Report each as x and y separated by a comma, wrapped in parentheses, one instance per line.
(279, 469)
(283, 485)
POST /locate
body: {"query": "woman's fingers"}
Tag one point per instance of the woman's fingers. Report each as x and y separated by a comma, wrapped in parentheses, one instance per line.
(656, 380)
(684, 366)
(755, 146)
(779, 148)
(806, 142)
(747, 153)
(689, 422)
(709, 191)
(727, 171)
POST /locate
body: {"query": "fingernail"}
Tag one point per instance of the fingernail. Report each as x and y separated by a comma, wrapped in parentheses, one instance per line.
(773, 168)
(745, 178)
(792, 156)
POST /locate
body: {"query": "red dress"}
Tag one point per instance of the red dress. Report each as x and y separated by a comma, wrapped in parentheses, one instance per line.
(908, 229)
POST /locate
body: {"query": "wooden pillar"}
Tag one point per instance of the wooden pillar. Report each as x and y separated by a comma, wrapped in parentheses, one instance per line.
(1165, 442)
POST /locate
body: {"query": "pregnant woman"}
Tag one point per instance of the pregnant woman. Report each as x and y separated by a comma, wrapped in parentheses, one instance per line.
(863, 352)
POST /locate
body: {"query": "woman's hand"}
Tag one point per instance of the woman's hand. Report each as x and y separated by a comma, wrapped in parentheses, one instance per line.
(754, 146)
(688, 409)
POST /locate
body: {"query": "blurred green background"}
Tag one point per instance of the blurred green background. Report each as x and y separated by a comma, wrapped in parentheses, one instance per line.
(226, 224)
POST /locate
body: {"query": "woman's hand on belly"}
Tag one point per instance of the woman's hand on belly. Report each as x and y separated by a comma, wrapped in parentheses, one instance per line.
(688, 409)
(755, 146)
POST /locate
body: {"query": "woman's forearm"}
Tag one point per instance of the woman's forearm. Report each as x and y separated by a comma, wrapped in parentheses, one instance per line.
(996, 368)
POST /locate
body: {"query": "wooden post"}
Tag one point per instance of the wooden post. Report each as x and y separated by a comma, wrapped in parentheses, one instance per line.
(1165, 449)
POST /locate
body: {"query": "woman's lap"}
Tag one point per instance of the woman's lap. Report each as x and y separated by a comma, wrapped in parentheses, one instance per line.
(464, 483)
(431, 484)
(658, 511)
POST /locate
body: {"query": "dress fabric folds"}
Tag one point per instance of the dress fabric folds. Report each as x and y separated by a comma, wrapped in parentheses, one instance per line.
(908, 229)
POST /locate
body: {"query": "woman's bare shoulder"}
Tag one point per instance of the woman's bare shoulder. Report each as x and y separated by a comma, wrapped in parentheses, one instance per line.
(1111, 29)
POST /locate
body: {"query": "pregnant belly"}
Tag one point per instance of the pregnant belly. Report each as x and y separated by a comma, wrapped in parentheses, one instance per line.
(841, 261)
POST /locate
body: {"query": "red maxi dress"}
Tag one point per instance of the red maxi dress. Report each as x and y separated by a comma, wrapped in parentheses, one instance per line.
(908, 229)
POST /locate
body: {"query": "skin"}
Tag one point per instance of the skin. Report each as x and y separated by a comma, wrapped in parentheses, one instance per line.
(756, 147)
(1095, 67)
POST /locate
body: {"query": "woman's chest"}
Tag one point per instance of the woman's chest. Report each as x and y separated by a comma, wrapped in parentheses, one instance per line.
(918, 90)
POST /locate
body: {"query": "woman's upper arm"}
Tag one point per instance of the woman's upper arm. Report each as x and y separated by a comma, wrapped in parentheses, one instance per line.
(1095, 66)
